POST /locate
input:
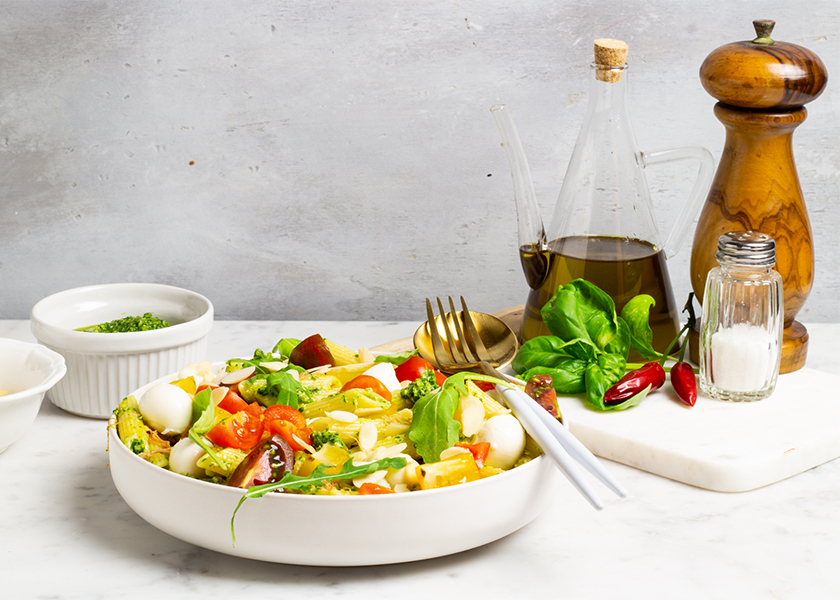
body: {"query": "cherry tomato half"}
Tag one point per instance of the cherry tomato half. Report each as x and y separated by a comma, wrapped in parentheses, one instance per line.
(241, 430)
(289, 423)
(479, 451)
(484, 386)
(369, 488)
(366, 382)
(414, 367)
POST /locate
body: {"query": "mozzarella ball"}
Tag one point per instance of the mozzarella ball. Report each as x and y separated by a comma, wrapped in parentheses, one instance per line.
(507, 440)
(184, 456)
(167, 408)
(385, 373)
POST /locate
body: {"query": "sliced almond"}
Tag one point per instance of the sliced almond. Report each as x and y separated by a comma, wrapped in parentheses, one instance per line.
(274, 365)
(368, 435)
(237, 376)
(377, 477)
(343, 416)
(393, 429)
(387, 452)
(471, 421)
(471, 415)
(218, 394)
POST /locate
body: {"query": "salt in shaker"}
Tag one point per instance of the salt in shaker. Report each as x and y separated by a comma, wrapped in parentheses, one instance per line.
(743, 318)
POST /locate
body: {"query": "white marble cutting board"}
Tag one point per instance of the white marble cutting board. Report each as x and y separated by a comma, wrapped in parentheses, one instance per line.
(716, 445)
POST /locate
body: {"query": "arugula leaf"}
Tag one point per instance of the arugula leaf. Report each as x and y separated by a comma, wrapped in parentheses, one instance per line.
(283, 388)
(318, 478)
(285, 346)
(203, 419)
(637, 315)
(433, 428)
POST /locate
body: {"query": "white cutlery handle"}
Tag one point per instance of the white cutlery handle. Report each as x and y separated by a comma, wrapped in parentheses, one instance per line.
(549, 444)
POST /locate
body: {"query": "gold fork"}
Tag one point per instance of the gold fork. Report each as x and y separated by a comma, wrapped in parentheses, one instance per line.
(464, 349)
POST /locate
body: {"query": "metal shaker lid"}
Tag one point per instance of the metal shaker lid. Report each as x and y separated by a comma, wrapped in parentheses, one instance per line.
(747, 248)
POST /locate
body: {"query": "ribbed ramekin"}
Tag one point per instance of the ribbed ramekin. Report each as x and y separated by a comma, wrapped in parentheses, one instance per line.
(103, 368)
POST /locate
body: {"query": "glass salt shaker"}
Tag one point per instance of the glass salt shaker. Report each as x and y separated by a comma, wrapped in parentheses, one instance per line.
(743, 317)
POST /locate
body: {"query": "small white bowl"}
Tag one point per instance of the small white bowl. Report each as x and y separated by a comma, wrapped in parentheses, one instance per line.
(103, 368)
(27, 371)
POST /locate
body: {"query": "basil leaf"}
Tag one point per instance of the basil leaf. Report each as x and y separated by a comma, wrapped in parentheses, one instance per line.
(600, 376)
(580, 310)
(566, 378)
(396, 359)
(632, 400)
(637, 314)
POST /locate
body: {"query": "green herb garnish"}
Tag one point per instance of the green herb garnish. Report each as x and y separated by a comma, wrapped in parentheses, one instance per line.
(127, 324)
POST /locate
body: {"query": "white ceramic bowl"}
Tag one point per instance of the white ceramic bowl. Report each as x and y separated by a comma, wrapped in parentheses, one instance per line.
(103, 368)
(27, 371)
(333, 531)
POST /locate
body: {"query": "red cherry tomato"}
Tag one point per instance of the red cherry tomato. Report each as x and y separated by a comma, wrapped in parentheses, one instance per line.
(289, 423)
(479, 451)
(241, 430)
(366, 382)
(369, 488)
(232, 402)
(283, 412)
(414, 367)
(484, 386)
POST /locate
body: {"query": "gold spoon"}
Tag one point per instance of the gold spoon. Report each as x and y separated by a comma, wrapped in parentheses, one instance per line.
(459, 340)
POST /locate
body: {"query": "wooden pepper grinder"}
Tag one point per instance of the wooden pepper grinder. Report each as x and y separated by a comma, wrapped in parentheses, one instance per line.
(762, 86)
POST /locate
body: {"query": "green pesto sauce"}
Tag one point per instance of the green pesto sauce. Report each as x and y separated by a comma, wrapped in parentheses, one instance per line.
(145, 323)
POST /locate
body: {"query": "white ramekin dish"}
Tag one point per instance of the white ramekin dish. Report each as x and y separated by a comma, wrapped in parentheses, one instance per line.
(27, 371)
(103, 368)
(360, 530)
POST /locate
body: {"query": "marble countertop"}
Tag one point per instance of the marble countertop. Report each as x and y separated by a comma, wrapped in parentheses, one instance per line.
(67, 533)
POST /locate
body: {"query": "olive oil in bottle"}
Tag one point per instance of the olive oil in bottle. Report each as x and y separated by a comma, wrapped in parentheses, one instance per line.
(622, 267)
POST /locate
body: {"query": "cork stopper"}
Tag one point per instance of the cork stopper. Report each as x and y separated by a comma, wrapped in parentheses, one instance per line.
(610, 55)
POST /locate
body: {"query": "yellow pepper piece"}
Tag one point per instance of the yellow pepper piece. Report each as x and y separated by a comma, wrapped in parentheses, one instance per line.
(187, 384)
(460, 468)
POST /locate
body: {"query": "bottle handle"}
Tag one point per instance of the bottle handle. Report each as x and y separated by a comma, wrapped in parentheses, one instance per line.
(698, 192)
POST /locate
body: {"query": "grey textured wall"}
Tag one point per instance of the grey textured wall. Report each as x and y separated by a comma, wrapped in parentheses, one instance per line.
(338, 160)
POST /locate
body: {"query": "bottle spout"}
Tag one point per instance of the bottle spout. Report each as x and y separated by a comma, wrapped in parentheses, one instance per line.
(531, 231)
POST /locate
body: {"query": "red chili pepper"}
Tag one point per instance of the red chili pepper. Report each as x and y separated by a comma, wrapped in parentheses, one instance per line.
(652, 374)
(684, 382)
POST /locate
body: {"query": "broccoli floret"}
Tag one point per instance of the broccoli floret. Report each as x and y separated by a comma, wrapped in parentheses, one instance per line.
(422, 386)
(319, 438)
